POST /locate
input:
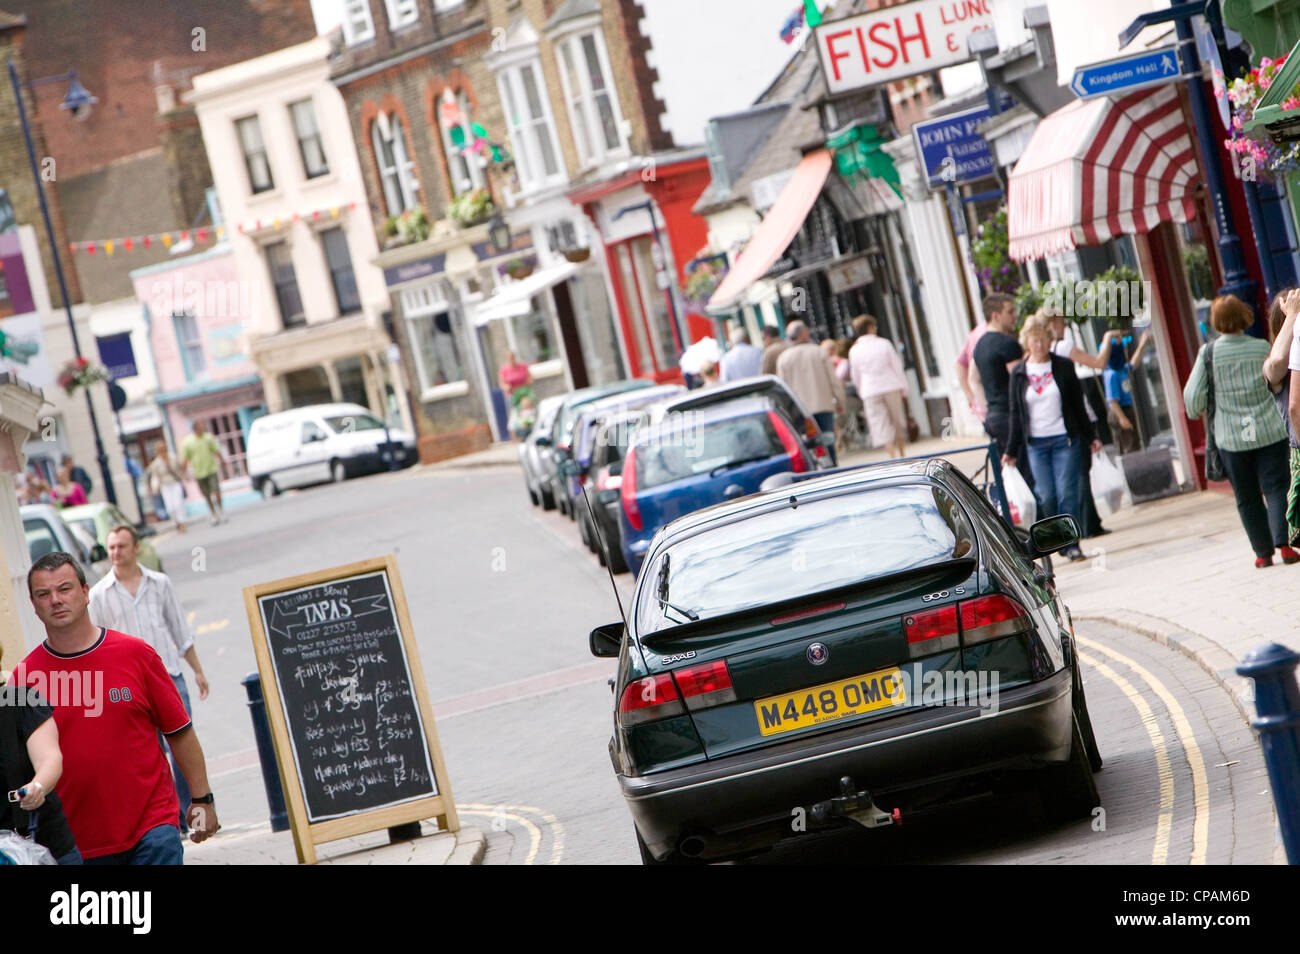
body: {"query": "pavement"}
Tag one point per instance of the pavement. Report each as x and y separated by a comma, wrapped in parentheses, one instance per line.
(258, 845)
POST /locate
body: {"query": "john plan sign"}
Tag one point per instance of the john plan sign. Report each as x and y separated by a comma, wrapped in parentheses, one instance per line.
(951, 148)
(900, 41)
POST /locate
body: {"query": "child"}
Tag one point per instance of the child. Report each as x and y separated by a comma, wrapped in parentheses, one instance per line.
(522, 418)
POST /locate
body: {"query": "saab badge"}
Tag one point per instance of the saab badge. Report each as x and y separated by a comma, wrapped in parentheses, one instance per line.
(818, 653)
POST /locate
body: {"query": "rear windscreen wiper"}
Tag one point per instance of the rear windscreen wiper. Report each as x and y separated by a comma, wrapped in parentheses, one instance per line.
(661, 593)
(737, 463)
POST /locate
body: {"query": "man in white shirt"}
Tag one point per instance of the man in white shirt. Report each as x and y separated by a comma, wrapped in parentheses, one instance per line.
(135, 600)
(807, 372)
(742, 360)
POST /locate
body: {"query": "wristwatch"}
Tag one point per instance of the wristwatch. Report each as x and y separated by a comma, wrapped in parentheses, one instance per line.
(207, 799)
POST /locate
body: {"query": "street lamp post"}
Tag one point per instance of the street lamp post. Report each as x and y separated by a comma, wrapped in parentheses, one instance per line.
(76, 101)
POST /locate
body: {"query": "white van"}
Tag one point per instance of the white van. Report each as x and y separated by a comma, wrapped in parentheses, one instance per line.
(311, 445)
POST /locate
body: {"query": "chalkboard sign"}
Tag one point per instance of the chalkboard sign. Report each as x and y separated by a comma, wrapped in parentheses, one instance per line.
(350, 716)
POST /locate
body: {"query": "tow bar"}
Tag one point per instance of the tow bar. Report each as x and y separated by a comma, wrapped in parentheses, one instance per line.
(857, 806)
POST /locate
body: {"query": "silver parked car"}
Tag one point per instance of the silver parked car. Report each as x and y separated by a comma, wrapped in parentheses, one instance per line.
(530, 453)
(47, 531)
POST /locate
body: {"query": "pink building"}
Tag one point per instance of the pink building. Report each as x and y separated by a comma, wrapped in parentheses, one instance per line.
(198, 312)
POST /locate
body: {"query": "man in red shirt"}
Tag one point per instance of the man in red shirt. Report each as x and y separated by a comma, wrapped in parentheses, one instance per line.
(112, 695)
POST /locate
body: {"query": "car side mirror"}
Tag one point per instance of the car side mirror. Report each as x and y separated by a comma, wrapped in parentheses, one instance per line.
(542, 440)
(97, 553)
(607, 641)
(1052, 535)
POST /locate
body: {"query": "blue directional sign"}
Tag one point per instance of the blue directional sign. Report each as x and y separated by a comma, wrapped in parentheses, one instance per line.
(951, 148)
(1126, 74)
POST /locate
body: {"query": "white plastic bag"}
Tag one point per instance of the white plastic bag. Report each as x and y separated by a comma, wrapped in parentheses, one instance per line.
(1024, 508)
(1109, 488)
(17, 850)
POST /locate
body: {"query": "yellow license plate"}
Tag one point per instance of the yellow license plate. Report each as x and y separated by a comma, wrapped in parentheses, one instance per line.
(830, 701)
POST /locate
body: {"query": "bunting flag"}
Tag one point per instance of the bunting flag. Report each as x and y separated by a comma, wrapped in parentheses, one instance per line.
(203, 235)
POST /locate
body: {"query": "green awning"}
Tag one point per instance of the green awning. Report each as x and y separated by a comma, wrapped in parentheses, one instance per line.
(1270, 119)
(857, 152)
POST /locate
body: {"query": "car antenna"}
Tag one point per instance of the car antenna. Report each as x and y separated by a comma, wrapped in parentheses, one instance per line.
(600, 540)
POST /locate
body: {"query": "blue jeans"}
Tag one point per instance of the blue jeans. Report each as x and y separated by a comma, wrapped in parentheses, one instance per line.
(826, 421)
(182, 786)
(157, 846)
(1056, 464)
(71, 858)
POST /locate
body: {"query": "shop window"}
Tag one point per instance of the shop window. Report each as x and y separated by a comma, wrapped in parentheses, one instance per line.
(255, 158)
(532, 130)
(589, 91)
(465, 169)
(352, 381)
(531, 334)
(358, 27)
(309, 139)
(396, 170)
(190, 344)
(335, 243)
(432, 334)
(285, 281)
(225, 428)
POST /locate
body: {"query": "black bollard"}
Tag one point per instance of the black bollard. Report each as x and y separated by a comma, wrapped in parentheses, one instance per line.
(1277, 700)
(266, 752)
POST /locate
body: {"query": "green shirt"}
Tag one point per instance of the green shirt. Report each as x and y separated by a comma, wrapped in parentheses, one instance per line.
(202, 454)
(1245, 416)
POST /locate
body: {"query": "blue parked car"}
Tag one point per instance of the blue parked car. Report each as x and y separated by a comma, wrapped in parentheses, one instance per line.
(692, 460)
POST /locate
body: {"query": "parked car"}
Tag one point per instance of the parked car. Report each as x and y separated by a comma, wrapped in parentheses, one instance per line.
(47, 531)
(574, 467)
(681, 463)
(780, 652)
(531, 454)
(764, 385)
(562, 433)
(612, 436)
(97, 519)
(323, 442)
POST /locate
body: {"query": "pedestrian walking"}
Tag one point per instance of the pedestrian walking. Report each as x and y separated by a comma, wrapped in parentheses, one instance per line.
(1227, 382)
(1048, 424)
(773, 347)
(116, 789)
(708, 375)
(996, 352)
(202, 457)
(742, 360)
(31, 764)
(1067, 345)
(141, 602)
(1280, 370)
(167, 480)
(78, 474)
(877, 374)
(1118, 382)
(67, 492)
(967, 372)
(807, 371)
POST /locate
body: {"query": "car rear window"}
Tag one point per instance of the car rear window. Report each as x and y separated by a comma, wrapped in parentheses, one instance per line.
(795, 551)
(685, 452)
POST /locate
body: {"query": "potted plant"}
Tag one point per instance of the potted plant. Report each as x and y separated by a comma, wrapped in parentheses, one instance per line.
(388, 232)
(702, 281)
(471, 208)
(990, 254)
(80, 373)
(413, 225)
(519, 267)
(577, 255)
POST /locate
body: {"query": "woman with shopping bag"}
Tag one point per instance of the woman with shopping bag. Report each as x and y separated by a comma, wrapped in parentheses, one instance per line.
(1049, 424)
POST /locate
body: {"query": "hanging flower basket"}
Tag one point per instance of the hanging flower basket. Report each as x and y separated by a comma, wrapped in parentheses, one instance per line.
(80, 373)
(1244, 93)
(471, 208)
(701, 282)
(518, 268)
(577, 255)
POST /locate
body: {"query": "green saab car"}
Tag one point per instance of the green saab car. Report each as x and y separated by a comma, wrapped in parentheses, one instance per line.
(854, 648)
(97, 519)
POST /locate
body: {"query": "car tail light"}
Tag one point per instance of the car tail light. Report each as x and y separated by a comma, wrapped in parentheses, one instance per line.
(604, 481)
(932, 631)
(628, 490)
(708, 684)
(806, 613)
(811, 432)
(991, 617)
(789, 442)
(649, 700)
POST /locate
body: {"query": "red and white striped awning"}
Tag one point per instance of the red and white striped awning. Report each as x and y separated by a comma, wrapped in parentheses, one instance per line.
(1100, 168)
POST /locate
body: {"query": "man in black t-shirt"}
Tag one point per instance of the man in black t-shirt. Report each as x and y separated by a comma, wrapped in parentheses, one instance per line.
(994, 355)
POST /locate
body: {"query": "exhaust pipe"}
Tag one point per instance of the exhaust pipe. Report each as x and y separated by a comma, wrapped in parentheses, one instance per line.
(692, 846)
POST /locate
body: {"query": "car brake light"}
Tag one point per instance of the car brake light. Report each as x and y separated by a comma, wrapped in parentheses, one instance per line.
(991, 617)
(628, 491)
(789, 442)
(805, 613)
(650, 699)
(708, 684)
(812, 432)
(932, 631)
(604, 481)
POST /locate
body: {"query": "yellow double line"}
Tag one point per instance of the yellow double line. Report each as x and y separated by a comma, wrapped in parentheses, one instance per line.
(1186, 738)
(516, 814)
